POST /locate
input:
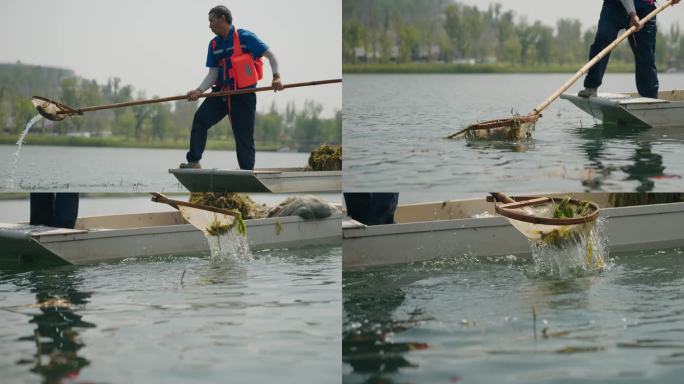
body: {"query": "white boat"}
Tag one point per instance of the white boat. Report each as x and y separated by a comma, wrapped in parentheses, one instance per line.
(452, 229)
(275, 180)
(116, 237)
(667, 111)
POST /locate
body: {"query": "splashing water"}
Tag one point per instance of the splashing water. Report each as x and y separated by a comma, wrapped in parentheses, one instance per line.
(580, 253)
(229, 246)
(20, 142)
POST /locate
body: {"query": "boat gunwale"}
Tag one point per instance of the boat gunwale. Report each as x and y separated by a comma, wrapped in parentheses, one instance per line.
(258, 173)
(493, 221)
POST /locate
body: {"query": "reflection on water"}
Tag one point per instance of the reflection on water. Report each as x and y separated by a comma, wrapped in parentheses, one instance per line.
(56, 336)
(178, 319)
(367, 338)
(482, 145)
(643, 165)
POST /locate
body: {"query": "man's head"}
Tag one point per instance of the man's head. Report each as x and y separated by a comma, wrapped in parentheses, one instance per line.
(220, 20)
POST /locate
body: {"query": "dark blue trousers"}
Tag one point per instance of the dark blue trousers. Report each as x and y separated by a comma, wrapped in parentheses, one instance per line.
(242, 113)
(372, 208)
(54, 209)
(613, 19)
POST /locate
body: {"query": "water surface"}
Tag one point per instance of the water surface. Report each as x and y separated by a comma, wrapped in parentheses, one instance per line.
(89, 169)
(473, 321)
(394, 129)
(276, 318)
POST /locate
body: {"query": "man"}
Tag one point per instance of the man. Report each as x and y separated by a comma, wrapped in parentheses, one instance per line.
(58, 210)
(372, 208)
(615, 16)
(241, 109)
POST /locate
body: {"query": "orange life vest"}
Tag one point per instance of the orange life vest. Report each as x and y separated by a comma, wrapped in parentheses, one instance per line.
(245, 71)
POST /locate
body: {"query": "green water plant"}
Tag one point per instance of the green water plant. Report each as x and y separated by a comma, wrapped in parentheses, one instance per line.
(239, 202)
(326, 158)
(216, 228)
(566, 210)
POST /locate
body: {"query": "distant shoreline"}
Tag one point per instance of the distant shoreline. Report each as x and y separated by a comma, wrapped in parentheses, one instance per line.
(442, 68)
(70, 141)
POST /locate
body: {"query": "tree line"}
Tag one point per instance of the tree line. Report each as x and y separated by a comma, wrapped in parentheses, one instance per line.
(444, 31)
(299, 129)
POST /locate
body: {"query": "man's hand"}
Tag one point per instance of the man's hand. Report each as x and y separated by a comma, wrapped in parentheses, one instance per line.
(193, 95)
(634, 20)
(276, 83)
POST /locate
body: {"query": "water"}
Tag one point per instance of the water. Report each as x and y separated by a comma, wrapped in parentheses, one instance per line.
(472, 321)
(90, 169)
(229, 247)
(580, 253)
(20, 142)
(394, 129)
(276, 318)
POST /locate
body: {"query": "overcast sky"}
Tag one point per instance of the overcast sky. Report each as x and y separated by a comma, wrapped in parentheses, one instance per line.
(160, 46)
(587, 11)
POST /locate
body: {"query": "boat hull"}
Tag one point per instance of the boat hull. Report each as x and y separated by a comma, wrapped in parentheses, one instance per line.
(667, 111)
(148, 235)
(434, 236)
(277, 180)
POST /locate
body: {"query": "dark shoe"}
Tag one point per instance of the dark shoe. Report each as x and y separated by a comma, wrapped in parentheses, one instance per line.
(587, 92)
(190, 164)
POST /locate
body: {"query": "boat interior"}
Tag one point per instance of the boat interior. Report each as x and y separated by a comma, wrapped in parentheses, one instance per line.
(673, 95)
(134, 220)
(477, 208)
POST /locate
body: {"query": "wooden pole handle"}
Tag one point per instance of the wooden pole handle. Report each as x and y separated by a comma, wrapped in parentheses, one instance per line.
(539, 108)
(159, 198)
(208, 94)
(501, 197)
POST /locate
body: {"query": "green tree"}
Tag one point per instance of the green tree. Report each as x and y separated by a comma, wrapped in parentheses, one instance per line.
(569, 42)
(142, 113)
(269, 127)
(161, 122)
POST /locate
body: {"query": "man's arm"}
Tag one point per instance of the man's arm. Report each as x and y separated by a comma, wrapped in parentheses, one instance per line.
(631, 13)
(273, 62)
(208, 81)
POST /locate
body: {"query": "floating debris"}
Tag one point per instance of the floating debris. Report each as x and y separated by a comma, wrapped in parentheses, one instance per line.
(568, 210)
(307, 207)
(217, 228)
(326, 158)
(234, 201)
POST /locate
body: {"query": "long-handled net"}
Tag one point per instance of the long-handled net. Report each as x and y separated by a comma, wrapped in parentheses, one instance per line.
(547, 218)
(565, 234)
(210, 220)
(55, 111)
(518, 128)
